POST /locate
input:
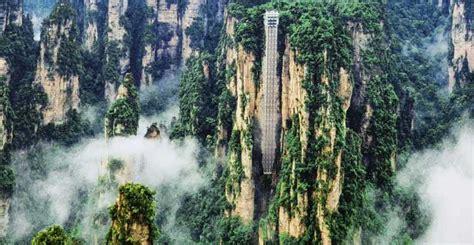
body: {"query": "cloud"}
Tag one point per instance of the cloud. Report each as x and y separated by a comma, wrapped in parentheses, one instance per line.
(55, 184)
(443, 177)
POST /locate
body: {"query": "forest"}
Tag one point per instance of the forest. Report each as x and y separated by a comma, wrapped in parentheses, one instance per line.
(141, 122)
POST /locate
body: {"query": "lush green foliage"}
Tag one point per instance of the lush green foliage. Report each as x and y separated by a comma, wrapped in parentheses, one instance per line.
(235, 232)
(67, 133)
(412, 28)
(114, 53)
(383, 129)
(122, 117)
(6, 129)
(69, 52)
(136, 205)
(201, 212)
(352, 212)
(18, 46)
(54, 235)
(134, 24)
(158, 34)
(7, 180)
(92, 78)
(234, 173)
(226, 108)
(197, 104)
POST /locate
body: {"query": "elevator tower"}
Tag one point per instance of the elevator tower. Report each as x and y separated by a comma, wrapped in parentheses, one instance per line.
(270, 92)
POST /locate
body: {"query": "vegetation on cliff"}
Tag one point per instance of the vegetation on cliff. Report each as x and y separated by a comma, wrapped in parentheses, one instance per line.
(18, 46)
(335, 179)
(7, 177)
(51, 235)
(198, 108)
(122, 117)
(133, 216)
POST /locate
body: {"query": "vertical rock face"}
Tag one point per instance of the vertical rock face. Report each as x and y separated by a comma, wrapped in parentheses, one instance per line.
(168, 20)
(5, 128)
(293, 97)
(193, 10)
(58, 66)
(122, 117)
(11, 11)
(91, 31)
(318, 88)
(116, 10)
(241, 192)
(245, 170)
(360, 42)
(133, 216)
(149, 55)
(5, 140)
(117, 54)
(4, 69)
(462, 29)
(167, 44)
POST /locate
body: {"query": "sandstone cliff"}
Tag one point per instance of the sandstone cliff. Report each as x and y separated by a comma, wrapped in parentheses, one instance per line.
(58, 66)
(92, 18)
(133, 216)
(462, 27)
(245, 189)
(168, 44)
(321, 98)
(6, 131)
(240, 192)
(117, 53)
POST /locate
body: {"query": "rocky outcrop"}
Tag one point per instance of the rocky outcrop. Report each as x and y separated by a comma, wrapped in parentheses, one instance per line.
(6, 131)
(122, 117)
(241, 165)
(193, 10)
(58, 67)
(4, 70)
(462, 27)
(121, 121)
(117, 54)
(91, 29)
(245, 172)
(169, 44)
(315, 102)
(153, 132)
(133, 216)
(5, 109)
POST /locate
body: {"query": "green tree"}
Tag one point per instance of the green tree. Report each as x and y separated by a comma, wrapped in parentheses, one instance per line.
(198, 105)
(122, 117)
(54, 235)
(133, 216)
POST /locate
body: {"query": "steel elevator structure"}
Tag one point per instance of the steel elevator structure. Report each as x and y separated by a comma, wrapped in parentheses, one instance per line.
(270, 92)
